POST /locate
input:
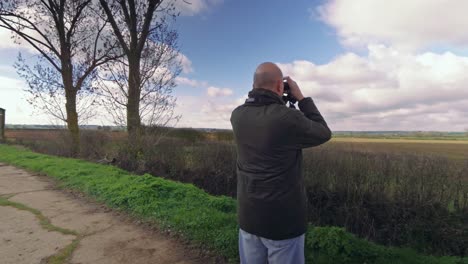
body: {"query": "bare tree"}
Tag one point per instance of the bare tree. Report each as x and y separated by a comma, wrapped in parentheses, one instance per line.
(143, 80)
(46, 92)
(160, 65)
(69, 38)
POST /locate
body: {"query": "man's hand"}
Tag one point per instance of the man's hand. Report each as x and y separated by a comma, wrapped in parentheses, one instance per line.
(295, 91)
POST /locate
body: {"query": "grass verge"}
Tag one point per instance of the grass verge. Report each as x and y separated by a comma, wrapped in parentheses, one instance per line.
(205, 220)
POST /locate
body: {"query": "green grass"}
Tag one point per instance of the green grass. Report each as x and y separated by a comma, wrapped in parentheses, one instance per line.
(203, 219)
(64, 254)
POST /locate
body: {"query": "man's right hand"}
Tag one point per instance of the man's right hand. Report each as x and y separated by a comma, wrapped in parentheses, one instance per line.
(295, 91)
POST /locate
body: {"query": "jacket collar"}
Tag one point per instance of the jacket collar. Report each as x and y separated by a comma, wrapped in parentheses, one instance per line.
(260, 96)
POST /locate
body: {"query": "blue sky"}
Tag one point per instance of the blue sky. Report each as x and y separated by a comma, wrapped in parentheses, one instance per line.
(368, 64)
(240, 34)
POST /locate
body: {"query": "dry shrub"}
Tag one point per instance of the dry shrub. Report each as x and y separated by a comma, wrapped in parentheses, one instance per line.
(95, 145)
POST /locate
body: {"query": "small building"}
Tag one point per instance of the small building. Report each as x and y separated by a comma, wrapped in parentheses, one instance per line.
(2, 124)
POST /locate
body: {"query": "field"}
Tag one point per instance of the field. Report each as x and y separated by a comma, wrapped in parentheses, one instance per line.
(447, 146)
(453, 149)
(47, 134)
(404, 191)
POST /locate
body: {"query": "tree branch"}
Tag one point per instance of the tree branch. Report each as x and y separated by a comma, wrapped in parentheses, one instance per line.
(8, 22)
(28, 39)
(147, 23)
(76, 18)
(116, 29)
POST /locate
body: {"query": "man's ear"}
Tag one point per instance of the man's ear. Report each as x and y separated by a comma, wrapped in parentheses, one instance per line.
(278, 88)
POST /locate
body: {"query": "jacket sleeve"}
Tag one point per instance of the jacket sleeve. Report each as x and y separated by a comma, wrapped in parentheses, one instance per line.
(308, 126)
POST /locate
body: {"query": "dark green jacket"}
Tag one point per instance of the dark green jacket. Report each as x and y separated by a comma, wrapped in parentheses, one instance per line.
(270, 188)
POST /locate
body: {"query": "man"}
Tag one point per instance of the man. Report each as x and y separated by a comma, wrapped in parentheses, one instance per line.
(270, 191)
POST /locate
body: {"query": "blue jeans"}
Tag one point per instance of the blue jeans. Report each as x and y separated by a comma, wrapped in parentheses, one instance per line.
(258, 250)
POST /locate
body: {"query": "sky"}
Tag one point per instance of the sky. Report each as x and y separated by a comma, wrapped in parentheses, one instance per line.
(367, 64)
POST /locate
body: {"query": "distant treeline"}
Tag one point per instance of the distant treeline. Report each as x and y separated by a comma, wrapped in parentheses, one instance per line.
(197, 133)
(402, 134)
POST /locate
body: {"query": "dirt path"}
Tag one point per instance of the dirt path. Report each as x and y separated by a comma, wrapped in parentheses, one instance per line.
(85, 231)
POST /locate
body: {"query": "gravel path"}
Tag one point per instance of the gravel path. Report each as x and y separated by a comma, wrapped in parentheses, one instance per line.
(104, 236)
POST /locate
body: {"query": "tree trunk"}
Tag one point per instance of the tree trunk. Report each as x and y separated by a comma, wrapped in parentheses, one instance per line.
(70, 106)
(72, 121)
(133, 104)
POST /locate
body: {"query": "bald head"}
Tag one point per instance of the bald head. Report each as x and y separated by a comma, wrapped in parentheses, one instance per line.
(267, 76)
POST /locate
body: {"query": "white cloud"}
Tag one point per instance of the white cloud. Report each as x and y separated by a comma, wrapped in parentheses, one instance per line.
(186, 81)
(210, 110)
(206, 113)
(7, 42)
(218, 92)
(18, 110)
(405, 24)
(194, 7)
(186, 63)
(388, 89)
(190, 82)
(5, 39)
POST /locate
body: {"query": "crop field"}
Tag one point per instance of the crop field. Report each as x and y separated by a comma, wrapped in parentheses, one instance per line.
(454, 149)
(48, 134)
(448, 146)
